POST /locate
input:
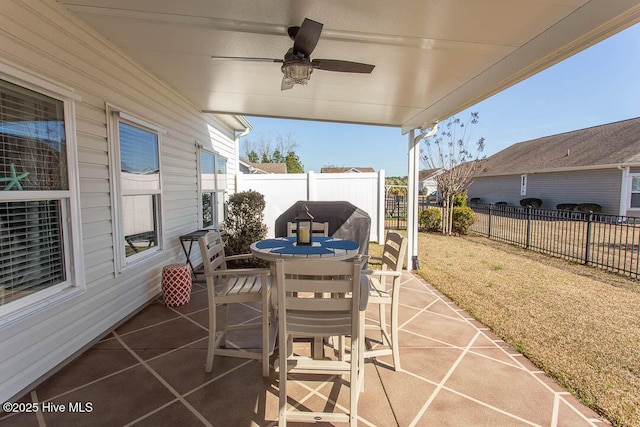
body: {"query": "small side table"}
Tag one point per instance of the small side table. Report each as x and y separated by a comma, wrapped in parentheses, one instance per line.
(186, 241)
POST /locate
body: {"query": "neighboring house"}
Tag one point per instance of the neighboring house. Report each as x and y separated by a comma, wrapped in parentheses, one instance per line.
(427, 183)
(268, 168)
(599, 165)
(248, 167)
(346, 170)
(244, 165)
(102, 168)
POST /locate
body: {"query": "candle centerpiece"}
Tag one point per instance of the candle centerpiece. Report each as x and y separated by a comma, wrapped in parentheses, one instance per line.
(304, 222)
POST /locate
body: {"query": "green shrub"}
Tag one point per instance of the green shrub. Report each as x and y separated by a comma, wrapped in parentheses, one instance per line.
(590, 207)
(463, 218)
(244, 224)
(531, 201)
(500, 203)
(460, 199)
(430, 219)
(567, 206)
(475, 200)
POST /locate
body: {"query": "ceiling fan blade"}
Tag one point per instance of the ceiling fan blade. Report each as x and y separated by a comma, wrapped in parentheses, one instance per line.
(342, 66)
(285, 86)
(244, 58)
(307, 37)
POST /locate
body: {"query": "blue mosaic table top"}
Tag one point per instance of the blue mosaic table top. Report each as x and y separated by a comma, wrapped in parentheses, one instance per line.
(321, 247)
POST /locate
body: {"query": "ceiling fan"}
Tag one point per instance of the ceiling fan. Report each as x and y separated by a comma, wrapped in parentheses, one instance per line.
(297, 65)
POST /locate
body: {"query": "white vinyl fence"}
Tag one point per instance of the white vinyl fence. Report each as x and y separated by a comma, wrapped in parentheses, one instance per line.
(364, 190)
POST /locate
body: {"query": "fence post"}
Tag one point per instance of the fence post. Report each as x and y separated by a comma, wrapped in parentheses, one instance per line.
(490, 207)
(397, 209)
(529, 209)
(587, 249)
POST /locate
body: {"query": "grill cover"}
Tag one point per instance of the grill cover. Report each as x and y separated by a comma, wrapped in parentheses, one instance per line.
(346, 221)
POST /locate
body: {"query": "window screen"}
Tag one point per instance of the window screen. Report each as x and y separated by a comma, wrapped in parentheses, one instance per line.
(213, 183)
(635, 192)
(33, 160)
(31, 247)
(139, 189)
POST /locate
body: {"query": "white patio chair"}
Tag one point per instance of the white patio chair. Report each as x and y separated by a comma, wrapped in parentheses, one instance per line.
(392, 259)
(320, 229)
(302, 313)
(234, 286)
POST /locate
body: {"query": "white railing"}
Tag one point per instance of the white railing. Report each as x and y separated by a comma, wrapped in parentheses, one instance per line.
(364, 190)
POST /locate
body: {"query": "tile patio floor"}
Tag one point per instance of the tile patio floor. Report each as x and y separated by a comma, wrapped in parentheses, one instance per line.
(150, 372)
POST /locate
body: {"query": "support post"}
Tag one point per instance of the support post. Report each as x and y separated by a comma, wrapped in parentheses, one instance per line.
(311, 186)
(381, 210)
(412, 198)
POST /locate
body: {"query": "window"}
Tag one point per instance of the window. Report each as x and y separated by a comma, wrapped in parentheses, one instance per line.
(635, 191)
(137, 194)
(39, 257)
(523, 185)
(213, 186)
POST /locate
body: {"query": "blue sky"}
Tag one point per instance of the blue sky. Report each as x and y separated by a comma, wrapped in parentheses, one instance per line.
(597, 86)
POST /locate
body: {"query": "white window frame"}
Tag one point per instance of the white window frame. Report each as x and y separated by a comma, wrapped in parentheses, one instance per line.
(215, 194)
(523, 184)
(630, 191)
(70, 206)
(115, 116)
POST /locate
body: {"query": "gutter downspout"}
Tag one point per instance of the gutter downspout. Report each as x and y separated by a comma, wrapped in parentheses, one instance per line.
(236, 138)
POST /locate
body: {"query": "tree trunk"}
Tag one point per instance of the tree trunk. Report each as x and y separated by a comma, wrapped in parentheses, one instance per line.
(447, 214)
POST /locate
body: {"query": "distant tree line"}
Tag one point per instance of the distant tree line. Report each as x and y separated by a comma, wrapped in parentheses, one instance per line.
(278, 149)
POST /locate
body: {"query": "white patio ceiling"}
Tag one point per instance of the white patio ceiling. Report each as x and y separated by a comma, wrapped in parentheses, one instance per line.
(433, 58)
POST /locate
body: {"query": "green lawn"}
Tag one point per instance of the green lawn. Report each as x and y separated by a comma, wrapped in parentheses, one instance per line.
(578, 324)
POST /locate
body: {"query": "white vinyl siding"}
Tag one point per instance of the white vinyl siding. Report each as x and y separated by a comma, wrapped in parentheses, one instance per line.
(43, 38)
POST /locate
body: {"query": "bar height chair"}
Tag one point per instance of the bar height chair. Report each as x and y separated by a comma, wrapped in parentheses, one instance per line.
(302, 313)
(234, 286)
(392, 260)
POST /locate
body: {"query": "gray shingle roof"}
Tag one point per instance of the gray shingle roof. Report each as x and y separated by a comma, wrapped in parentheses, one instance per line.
(271, 167)
(427, 173)
(610, 144)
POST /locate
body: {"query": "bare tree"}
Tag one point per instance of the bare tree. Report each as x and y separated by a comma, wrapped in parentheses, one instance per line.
(278, 149)
(448, 152)
(271, 148)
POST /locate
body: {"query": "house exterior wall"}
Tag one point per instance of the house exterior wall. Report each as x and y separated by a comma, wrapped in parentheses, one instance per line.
(42, 38)
(601, 186)
(428, 186)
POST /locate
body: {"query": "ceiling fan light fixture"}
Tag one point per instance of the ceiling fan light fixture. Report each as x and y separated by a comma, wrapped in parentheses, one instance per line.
(297, 72)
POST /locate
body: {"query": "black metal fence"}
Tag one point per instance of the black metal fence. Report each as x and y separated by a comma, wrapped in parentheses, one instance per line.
(610, 242)
(395, 208)
(396, 211)
(607, 241)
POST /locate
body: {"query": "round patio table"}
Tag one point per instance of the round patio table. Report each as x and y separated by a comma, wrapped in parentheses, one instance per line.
(326, 248)
(321, 248)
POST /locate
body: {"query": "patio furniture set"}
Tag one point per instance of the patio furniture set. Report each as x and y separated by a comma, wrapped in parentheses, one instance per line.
(316, 291)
